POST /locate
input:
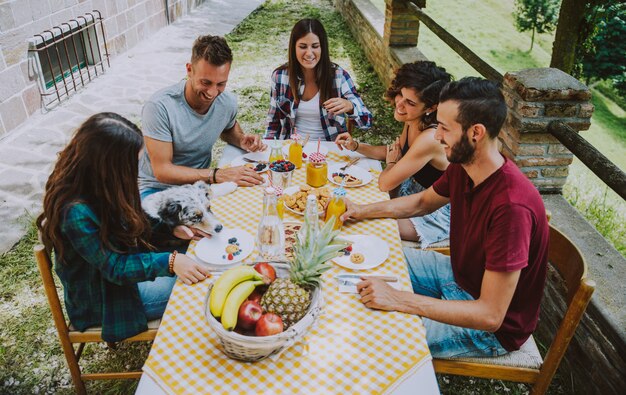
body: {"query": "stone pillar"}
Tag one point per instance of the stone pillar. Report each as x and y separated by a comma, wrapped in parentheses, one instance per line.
(401, 24)
(536, 97)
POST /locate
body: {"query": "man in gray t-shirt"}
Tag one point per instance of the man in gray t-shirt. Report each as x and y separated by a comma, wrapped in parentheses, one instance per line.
(182, 122)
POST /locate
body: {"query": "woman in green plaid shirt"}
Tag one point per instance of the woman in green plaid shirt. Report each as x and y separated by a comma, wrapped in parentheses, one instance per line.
(92, 219)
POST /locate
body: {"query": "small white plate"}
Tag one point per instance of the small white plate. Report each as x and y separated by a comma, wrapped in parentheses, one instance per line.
(355, 171)
(213, 251)
(258, 156)
(239, 161)
(308, 149)
(374, 249)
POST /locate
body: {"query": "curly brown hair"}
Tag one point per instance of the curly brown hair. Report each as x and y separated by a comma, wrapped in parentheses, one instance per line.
(98, 167)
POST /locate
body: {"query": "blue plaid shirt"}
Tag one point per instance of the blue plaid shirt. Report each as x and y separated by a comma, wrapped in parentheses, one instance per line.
(100, 286)
(281, 117)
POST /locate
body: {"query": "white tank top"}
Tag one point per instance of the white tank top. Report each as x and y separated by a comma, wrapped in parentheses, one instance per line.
(308, 118)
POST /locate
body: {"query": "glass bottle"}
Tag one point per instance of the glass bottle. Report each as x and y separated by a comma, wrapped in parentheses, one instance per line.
(295, 151)
(271, 234)
(311, 218)
(336, 207)
(276, 151)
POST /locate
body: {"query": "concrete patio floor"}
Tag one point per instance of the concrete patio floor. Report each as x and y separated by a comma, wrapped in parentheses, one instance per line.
(28, 153)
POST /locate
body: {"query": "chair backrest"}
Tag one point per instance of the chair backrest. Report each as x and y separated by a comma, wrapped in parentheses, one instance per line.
(567, 259)
(44, 263)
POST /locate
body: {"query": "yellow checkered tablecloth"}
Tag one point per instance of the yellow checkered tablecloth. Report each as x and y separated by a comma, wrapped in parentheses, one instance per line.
(350, 350)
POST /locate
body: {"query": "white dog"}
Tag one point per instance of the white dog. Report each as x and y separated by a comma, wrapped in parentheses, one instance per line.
(188, 205)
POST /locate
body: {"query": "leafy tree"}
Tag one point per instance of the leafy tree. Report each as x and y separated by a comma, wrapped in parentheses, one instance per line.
(539, 16)
(605, 53)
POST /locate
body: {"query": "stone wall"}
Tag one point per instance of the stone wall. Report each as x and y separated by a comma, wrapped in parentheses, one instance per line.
(126, 22)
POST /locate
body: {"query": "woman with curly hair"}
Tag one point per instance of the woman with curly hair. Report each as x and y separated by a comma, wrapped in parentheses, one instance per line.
(93, 221)
(416, 159)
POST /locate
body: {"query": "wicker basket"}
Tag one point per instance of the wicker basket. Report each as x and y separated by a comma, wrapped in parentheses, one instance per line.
(256, 348)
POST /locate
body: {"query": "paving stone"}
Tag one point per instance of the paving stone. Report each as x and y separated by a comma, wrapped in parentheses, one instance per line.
(28, 152)
(13, 112)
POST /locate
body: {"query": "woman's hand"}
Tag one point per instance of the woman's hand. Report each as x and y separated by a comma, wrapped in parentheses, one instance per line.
(345, 140)
(338, 105)
(188, 270)
(394, 152)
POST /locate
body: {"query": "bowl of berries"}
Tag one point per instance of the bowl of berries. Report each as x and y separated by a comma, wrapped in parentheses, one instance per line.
(281, 172)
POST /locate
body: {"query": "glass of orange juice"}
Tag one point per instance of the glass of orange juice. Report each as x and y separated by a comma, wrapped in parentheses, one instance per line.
(276, 151)
(316, 170)
(336, 207)
(295, 151)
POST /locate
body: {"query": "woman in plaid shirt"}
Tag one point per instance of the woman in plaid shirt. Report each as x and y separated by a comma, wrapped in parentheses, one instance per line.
(310, 93)
(92, 219)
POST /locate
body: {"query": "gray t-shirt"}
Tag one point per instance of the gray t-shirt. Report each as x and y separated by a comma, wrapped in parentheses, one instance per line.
(166, 116)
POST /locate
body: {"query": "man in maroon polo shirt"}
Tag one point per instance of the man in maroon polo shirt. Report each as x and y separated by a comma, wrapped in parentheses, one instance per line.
(484, 299)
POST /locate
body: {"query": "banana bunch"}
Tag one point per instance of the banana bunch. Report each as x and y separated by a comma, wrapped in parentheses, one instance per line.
(230, 290)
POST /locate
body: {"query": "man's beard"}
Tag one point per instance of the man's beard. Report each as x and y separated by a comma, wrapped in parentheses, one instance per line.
(462, 152)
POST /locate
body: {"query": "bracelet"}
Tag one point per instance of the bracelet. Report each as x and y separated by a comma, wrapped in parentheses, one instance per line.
(215, 174)
(172, 259)
(210, 177)
(357, 145)
(391, 163)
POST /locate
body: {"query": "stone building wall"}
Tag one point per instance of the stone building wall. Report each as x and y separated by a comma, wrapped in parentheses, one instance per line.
(126, 22)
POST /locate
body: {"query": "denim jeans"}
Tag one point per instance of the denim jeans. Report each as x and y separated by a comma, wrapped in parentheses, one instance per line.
(431, 228)
(155, 294)
(431, 275)
(147, 192)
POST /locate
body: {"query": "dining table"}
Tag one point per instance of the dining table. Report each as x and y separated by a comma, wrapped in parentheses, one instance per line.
(350, 349)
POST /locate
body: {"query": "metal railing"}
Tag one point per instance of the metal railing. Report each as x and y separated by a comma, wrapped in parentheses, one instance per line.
(68, 56)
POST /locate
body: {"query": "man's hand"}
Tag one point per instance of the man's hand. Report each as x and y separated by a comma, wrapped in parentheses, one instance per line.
(345, 140)
(377, 294)
(337, 105)
(188, 270)
(252, 143)
(186, 233)
(353, 211)
(241, 175)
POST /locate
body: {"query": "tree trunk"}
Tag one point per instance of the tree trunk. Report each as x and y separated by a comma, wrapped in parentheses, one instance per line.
(532, 40)
(566, 39)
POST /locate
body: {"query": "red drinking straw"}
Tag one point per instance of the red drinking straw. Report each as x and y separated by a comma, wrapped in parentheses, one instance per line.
(319, 140)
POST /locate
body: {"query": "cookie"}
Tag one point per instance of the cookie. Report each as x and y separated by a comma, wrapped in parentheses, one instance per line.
(357, 258)
(232, 248)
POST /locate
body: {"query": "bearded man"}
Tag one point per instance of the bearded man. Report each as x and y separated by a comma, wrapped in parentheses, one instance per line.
(484, 299)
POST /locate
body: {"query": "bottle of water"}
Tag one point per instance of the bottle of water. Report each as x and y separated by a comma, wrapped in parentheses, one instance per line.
(271, 234)
(311, 218)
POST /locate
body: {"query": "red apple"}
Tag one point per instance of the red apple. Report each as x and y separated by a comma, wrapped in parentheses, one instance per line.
(249, 313)
(269, 324)
(266, 269)
(256, 295)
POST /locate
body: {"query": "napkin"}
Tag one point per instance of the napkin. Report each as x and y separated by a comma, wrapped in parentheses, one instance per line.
(223, 188)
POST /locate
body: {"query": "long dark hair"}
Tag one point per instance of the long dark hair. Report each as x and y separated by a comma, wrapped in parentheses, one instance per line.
(324, 71)
(427, 79)
(98, 167)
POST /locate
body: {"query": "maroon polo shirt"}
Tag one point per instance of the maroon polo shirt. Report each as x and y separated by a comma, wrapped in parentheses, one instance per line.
(500, 225)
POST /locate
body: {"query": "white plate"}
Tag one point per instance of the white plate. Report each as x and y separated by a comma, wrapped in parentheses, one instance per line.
(375, 250)
(309, 148)
(291, 191)
(213, 251)
(239, 161)
(258, 156)
(354, 171)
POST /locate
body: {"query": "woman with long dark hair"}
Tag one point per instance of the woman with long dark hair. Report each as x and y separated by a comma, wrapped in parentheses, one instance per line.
(93, 221)
(416, 159)
(310, 93)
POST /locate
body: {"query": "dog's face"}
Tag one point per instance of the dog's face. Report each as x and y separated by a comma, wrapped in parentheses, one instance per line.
(189, 205)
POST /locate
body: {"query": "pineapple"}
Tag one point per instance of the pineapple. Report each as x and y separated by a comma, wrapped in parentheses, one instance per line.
(290, 297)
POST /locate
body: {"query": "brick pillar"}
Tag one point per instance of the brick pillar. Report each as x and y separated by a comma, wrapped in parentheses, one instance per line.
(401, 24)
(535, 97)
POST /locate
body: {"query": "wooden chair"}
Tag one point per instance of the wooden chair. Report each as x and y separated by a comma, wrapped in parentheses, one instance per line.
(526, 364)
(69, 336)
